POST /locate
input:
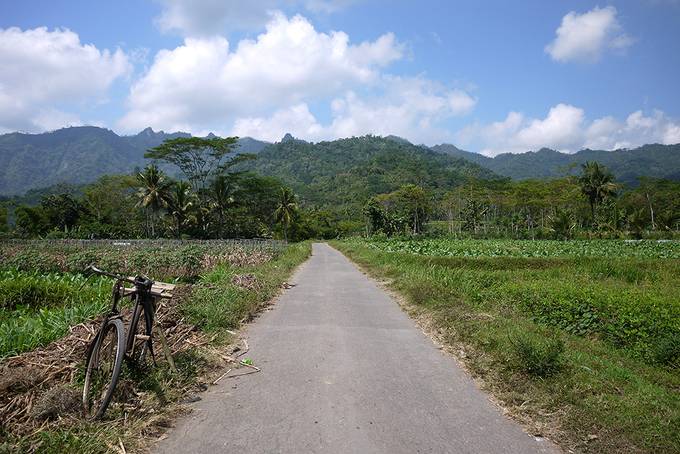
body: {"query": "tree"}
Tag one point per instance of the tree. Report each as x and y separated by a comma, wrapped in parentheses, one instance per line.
(198, 158)
(414, 205)
(31, 221)
(62, 210)
(375, 216)
(181, 204)
(597, 184)
(154, 193)
(3, 219)
(286, 209)
(472, 214)
(562, 224)
(222, 193)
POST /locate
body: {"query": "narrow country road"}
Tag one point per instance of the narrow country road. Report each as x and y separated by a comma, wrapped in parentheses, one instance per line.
(344, 370)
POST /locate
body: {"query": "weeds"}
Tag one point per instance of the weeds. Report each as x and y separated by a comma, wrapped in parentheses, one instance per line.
(538, 357)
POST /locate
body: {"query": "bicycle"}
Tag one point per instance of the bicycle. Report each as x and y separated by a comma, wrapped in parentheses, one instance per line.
(105, 353)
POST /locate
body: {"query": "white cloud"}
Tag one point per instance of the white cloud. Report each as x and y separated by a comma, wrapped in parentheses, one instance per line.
(297, 120)
(215, 17)
(585, 37)
(636, 130)
(566, 129)
(43, 72)
(407, 107)
(205, 83)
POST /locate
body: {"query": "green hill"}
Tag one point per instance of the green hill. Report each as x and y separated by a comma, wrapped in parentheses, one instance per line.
(658, 161)
(78, 155)
(344, 173)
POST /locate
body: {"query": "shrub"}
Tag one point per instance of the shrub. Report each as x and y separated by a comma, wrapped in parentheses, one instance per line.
(666, 351)
(538, 357)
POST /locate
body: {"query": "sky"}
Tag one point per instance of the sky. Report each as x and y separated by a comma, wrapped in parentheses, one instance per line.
(487, 76)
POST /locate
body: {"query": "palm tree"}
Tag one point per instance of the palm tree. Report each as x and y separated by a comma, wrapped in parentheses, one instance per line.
(285, 210)
(153, 192)
(597, 183)
(222, 193)
(181, 206)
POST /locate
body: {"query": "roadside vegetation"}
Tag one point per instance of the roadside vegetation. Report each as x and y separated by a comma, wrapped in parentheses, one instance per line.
(580, 340)
(51, 312)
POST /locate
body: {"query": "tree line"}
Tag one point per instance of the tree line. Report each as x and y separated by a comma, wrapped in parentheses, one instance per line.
(215, 197)
(591, 204)
(210, 200)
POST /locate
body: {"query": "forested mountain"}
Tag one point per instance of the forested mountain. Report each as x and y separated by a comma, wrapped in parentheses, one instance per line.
(344, 173)
(658, 161)
(359, 166)
(78, 155)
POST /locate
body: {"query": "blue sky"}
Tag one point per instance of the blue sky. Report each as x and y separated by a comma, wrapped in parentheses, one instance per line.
(491, 76)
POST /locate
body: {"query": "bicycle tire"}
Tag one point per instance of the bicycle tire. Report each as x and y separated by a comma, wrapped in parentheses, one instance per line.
(92, 364)
(140, 323)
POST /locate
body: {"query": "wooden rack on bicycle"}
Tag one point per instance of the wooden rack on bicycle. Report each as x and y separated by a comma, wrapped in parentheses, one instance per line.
(158, 290)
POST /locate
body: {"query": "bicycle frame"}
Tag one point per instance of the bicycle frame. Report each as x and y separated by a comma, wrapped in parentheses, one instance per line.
(141, 294)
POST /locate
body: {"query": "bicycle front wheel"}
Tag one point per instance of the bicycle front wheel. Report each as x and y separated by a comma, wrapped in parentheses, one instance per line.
(138, 341)
(104, 362)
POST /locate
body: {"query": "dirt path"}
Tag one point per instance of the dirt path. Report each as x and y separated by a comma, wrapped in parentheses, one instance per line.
(344, 370)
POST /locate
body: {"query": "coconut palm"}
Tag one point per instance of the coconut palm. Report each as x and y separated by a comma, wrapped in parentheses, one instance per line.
(153, 193)
(222, 192)
(285, 210)
(597, 183)
(181, 206)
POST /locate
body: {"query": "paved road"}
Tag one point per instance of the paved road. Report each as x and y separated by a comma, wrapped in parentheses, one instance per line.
(344, 370)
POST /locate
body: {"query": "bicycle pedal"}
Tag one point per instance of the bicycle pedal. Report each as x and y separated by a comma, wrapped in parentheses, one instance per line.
(143, 337)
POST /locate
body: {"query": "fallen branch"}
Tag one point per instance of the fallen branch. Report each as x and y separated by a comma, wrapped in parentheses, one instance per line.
(221, 377)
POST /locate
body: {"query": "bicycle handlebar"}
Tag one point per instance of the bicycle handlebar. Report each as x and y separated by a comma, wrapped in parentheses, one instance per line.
(95, 270)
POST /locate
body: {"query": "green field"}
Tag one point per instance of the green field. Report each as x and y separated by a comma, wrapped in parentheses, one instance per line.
(580, 340)
(43, 294)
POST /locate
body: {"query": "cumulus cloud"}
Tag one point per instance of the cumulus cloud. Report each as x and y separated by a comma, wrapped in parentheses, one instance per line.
(585, 37)
(214, 17)
(205, 83)
(45, 72)
(409, 107)
(566, 129)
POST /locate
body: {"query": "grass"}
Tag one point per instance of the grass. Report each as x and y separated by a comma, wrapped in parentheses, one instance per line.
(218, 304)
(579, 348)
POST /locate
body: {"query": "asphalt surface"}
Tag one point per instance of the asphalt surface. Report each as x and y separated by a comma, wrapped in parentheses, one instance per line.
(344, 370)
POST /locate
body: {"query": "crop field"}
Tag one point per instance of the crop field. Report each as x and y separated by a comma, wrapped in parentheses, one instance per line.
(48, 311)
(580, 340)
(42, 292)
(531, 248)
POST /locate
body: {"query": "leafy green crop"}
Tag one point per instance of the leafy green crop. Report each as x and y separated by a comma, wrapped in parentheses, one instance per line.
(529, 248)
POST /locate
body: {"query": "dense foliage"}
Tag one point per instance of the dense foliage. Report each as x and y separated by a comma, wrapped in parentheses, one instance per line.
(592, 205)
(341, 175)
(654, 160)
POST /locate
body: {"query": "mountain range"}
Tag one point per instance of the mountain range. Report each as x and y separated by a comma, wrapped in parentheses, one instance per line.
(80, 155)
(659, 161)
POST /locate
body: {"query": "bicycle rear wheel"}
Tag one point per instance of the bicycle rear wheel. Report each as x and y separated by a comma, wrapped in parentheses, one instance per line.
(104, 362)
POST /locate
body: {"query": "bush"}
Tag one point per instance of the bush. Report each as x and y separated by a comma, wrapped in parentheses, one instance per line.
(538, 357)
(666, 351)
